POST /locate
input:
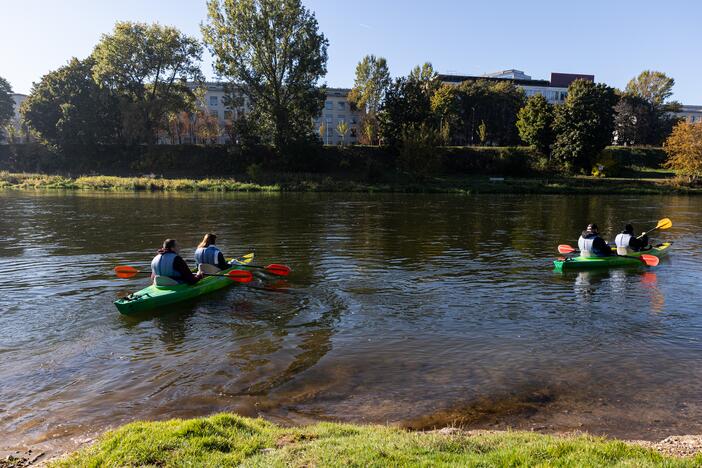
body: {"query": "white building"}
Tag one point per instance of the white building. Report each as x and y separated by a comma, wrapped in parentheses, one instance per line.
(692, 114)
(554, 90)
(337, 109)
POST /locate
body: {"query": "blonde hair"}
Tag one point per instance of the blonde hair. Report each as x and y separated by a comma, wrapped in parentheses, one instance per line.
(208, 240)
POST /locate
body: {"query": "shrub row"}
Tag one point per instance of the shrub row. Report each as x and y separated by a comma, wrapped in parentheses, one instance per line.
(195, 161)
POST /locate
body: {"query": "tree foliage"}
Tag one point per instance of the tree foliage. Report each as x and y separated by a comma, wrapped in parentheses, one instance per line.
(67, 107)
(273, 51)
(407, 104)
(7, 104)
(372, 80)
(342, 129)
(496, 104)
(148, 66)
(684, 149)
(654, 88)
(634, 120)
(535, 123)
(584, 124)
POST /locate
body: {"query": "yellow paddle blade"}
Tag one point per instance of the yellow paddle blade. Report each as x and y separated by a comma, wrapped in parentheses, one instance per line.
(244, 259)
(664, 223)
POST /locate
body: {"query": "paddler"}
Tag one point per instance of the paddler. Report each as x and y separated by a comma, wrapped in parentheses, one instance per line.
(207, 253)
(627, 243)
(168, 263)
(591, 244)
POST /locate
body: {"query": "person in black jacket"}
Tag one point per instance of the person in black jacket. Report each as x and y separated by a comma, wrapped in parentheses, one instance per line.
(591, 244)
(627, 243)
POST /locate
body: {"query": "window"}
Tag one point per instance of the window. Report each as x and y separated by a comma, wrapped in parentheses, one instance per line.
(213, 100)
(228, 115)
(214, 113)
(329, 105)
(342, 105)
(342, 118)
(354, 120)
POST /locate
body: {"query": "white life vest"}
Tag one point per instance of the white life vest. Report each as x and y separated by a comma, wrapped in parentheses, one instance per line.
(207, 255)
(585, 246)
(162, 265)
(622, 242)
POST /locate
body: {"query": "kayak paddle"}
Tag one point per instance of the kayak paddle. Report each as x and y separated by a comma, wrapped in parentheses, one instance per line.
(649, 260)
(273, 269)
(240, 276)
(663, 224)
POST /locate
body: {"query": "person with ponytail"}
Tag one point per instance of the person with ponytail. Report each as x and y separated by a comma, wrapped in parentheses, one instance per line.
(207, 253)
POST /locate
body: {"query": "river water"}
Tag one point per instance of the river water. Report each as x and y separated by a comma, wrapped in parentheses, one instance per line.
(419, 310)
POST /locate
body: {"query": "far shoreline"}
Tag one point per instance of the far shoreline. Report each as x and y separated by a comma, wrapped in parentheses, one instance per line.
(293, 182)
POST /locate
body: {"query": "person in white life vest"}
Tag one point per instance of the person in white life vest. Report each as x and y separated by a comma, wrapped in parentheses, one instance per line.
(627, 243)
(207, 253)
(169, 264)
(591, 244)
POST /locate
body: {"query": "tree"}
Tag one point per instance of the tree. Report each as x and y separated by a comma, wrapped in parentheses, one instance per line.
(7, 104)
(342, 129)
(67, 107)
(535, 123)
(406, 104)
(206, 127)
(323, 132)
(445, 109)
(148, 66)
(274, 51)
(372, 80)
(633, 120)
(482, 133)
(369, 131)
(584, 124)
(655, 88)
(496, 104)
(684, 149)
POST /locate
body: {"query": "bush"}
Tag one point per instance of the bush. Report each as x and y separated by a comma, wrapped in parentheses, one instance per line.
(511, 161)
(418, 154)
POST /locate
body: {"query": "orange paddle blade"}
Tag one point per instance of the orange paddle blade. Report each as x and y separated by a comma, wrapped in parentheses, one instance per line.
(565, 249)
(240, 276)
(650, 260)
(278, 270)
(126, 271)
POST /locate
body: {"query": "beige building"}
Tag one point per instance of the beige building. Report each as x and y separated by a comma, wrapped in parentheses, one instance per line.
(336, 109)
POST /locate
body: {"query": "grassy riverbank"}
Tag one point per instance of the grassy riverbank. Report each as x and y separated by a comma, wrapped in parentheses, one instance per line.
(227, 440)
(316, 183)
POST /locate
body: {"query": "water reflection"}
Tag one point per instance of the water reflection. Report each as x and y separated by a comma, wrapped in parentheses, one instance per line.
(413, 309)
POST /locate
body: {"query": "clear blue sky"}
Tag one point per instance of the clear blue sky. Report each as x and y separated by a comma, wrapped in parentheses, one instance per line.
(614, 39)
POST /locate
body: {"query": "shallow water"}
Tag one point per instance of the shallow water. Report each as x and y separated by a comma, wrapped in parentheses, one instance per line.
(422, 310)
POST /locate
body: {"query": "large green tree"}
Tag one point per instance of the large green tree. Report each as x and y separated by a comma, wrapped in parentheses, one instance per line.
(655, 88)
(7, 104)
(67, 107)
(372, 80)
(584, 124)
(273, 51)
(494, 103)
(406, 105)
(634, 120)
(535, 123)
(148, 66)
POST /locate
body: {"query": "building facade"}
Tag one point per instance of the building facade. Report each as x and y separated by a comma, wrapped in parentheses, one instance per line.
(554, 90)
(336, 110)
(692, 114)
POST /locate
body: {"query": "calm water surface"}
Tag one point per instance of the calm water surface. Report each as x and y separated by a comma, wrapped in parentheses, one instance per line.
(411, 309)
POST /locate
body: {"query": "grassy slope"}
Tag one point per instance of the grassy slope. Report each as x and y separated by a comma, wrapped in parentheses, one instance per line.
(226, 440)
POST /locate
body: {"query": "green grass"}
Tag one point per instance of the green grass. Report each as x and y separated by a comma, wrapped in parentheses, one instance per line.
(654, 182)
(228, 440)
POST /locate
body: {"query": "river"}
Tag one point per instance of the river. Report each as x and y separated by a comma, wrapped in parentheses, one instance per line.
(418, 310)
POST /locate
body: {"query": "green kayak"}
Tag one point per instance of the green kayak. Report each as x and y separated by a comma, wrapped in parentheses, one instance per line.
(587, 263)
(153, 297)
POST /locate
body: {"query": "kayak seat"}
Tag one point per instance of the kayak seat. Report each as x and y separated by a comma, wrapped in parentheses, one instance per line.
(208, 269)
(165, 281)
